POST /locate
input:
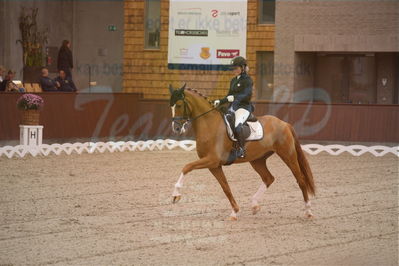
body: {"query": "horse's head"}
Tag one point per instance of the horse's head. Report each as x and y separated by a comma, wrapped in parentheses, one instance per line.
(180, 109)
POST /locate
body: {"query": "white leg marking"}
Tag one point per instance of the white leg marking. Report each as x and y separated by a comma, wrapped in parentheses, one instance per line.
(233, 214)
(178, 185)
(258, 195)
(308, 212)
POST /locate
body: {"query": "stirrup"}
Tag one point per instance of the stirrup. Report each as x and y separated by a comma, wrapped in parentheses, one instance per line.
(241, 152)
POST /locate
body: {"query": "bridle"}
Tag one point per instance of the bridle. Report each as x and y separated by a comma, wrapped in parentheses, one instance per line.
(186, 118)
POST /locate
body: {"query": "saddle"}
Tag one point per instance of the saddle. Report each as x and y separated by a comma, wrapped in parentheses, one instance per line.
(252, 128)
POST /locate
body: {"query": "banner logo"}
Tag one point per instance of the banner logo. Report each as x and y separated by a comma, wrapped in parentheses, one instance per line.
(205, 54)
(226, 53)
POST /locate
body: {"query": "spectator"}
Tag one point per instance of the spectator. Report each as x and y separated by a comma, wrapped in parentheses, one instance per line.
(2, 69)
(8, 85)
(65, 60)
(47, 83)
(65, 83)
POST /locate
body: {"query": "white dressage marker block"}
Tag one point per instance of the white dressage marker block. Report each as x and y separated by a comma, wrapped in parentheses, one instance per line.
(30, 135)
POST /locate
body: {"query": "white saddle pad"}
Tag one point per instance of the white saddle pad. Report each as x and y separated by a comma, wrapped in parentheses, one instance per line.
(255, 127)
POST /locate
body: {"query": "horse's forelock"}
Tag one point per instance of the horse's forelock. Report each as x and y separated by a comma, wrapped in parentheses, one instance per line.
(176, 95)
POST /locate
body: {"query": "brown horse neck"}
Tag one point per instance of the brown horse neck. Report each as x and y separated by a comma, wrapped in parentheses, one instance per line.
(205, 125)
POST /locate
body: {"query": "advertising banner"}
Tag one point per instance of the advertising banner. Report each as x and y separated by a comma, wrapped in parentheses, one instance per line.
(206, 35)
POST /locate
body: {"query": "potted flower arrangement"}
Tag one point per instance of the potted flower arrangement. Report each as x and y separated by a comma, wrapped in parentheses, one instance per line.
(30, 105)
(33, 43)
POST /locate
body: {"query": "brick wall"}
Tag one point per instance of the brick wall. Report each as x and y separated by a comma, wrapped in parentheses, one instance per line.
(146, 71)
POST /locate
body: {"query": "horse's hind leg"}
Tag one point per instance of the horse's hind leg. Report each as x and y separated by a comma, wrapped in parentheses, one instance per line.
(260, 167)
(221, 178)
(290, 159)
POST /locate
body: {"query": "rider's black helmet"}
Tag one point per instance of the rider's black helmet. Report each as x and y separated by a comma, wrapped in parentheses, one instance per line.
(239, 61)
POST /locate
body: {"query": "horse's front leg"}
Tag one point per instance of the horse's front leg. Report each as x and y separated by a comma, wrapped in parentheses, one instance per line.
(221, 178)
(205, 162)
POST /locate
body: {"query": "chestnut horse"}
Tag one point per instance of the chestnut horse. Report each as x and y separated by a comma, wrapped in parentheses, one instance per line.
(214, 146)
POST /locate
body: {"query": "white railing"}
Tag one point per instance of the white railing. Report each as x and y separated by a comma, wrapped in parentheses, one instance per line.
(161, 144)
(355, 150)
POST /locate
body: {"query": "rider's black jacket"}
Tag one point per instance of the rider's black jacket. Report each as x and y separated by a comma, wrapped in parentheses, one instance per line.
(241, 89)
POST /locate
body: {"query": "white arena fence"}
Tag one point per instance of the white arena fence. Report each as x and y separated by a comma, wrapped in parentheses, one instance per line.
(161, 144)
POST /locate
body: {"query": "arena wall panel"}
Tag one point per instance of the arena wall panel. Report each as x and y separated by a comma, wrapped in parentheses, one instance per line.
(129, 116)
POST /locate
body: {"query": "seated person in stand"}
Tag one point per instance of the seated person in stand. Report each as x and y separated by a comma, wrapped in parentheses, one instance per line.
(2, 70)
(47, 83)
(65, 83)
(2, 85)
(8, 85)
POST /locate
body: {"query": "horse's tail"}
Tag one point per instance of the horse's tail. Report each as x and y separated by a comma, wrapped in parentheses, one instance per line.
(303, 164)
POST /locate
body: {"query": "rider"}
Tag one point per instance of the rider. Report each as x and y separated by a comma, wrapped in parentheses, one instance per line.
(239, 96)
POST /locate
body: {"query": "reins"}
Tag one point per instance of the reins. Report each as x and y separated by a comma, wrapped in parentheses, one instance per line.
(198, 116)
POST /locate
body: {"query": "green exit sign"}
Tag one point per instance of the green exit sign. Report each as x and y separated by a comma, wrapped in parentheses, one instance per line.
(111, 28)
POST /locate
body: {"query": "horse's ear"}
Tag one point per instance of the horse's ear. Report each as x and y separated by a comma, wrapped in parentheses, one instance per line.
(184, 87)
(170, 89)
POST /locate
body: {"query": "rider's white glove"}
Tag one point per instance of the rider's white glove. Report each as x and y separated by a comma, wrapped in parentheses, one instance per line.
(216, 103)
(230, 98)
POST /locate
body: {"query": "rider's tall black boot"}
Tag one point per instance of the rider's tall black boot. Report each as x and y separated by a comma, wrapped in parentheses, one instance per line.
(241, 141)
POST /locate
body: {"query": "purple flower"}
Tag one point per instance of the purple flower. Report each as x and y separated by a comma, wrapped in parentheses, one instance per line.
(30, 102)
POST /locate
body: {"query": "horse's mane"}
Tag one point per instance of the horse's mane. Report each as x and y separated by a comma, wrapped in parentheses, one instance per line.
(194, 91)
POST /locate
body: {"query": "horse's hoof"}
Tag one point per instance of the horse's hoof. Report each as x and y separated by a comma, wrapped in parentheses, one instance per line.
(309, 215)
(232, 218)
(176, 199)
(255, 209)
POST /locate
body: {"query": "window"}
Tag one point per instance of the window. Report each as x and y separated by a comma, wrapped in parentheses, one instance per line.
(267, 11)
(152, 24)
(264, 75)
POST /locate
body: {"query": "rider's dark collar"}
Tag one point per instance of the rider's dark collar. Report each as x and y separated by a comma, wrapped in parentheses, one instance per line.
(242, 75)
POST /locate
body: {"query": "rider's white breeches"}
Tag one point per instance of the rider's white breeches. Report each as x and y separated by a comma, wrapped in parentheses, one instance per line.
(241, 116)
